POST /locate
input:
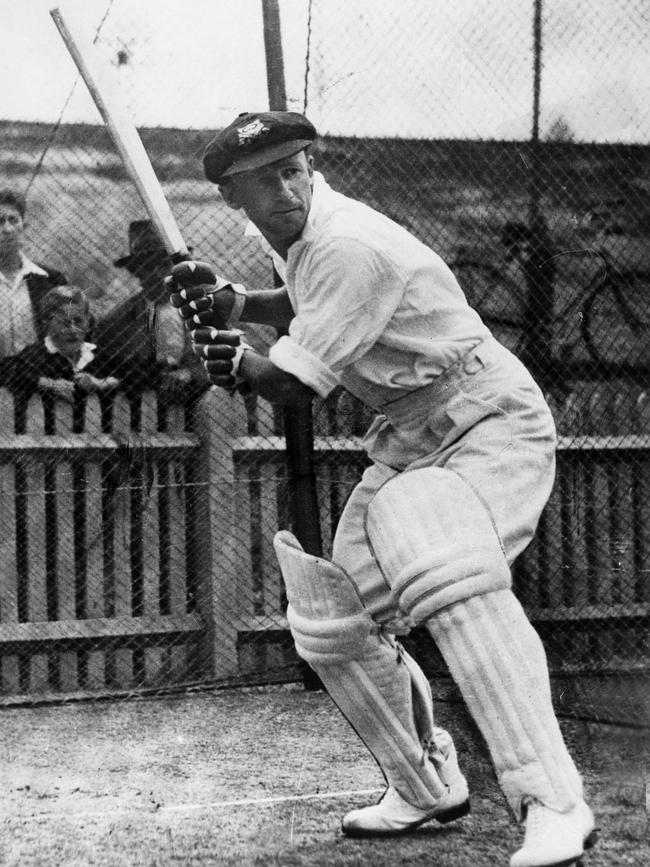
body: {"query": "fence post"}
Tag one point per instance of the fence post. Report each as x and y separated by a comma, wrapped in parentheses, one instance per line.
(220, 558)
(9, 585)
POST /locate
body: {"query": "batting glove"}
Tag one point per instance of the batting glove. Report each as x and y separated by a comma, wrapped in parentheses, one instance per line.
(221, 353)
(193, 288)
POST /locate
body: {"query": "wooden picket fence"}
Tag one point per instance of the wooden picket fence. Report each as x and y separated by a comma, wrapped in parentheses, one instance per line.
(101, 582)
(136, 545)
(584, 580)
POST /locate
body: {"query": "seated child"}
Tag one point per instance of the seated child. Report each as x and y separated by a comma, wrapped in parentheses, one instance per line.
(65, 365)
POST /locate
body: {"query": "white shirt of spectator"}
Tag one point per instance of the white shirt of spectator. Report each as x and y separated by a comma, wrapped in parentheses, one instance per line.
(86, 354)
(17, 321)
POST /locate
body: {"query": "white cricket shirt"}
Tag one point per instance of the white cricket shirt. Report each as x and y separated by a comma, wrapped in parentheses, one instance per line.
(376, 310)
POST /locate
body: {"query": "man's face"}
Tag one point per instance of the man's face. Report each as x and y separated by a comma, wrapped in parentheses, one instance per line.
(11, 230)
(150, 271)
(276, 198)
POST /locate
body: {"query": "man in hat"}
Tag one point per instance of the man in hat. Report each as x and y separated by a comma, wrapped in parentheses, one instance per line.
(144, 328)
(463, 452)
(23, 283)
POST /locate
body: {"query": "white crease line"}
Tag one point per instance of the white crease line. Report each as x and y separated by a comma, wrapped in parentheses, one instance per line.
(179, 808)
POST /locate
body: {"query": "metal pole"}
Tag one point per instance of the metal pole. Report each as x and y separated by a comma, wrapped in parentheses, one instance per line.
(298, 425)
(298, 422)
(539, 267)
(534, 140)
(274, 56)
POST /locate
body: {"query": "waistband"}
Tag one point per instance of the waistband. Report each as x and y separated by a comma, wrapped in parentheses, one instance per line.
(475, 360)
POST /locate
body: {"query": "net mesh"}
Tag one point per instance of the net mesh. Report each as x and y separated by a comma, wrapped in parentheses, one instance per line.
(138, 507)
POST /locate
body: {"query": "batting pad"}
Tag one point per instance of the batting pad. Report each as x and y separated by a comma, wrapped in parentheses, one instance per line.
(367, 675)
(327, 619)
(498, 662)
(434, 541)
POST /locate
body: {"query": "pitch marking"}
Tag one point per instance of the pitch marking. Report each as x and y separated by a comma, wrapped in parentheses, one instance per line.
(179, 808)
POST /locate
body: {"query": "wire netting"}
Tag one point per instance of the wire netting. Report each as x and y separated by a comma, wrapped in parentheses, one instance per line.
(139, 506)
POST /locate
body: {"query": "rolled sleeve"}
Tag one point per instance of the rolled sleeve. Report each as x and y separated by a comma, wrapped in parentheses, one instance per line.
(345, 292)
(308, 368)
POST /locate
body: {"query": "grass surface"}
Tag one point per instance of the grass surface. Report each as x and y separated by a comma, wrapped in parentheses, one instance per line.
(262, 776)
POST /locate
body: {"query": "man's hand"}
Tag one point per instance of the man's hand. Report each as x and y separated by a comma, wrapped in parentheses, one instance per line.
(200, 296)
(89, 383)
(201, 305)
(61, 389)
(221, 352)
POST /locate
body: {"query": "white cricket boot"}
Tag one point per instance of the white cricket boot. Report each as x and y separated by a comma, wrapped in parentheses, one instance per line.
(555, 839)
(393, 816)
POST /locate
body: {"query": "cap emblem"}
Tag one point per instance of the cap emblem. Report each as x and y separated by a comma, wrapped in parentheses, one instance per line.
(251, 132)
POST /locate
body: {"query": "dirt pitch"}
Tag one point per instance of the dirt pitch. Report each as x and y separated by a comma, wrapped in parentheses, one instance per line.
(261, 776)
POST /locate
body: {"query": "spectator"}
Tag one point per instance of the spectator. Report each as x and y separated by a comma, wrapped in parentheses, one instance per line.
(23, 283)
(64, 365)
(145, 328)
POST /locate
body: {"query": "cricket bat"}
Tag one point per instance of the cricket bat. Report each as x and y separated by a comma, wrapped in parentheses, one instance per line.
(126, 139)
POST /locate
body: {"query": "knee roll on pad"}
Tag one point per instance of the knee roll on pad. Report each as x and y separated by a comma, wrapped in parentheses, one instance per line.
(328, 621)
(435, 541)
(330, 641)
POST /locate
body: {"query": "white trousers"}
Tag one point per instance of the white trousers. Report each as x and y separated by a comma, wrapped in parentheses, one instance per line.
(486, 421)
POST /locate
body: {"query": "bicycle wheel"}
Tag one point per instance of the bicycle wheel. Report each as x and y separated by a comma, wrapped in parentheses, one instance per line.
(616, 323)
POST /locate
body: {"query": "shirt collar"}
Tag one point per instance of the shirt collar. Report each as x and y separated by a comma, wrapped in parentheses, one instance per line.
(321, 199)
(29, 267)
(86, 356)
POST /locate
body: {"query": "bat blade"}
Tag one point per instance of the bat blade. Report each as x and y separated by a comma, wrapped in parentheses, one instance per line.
(125, 137)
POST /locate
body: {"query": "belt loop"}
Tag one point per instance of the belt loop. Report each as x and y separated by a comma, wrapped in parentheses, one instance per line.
(473, 363)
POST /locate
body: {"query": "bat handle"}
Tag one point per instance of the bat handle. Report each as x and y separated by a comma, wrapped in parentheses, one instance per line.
(181, 257)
